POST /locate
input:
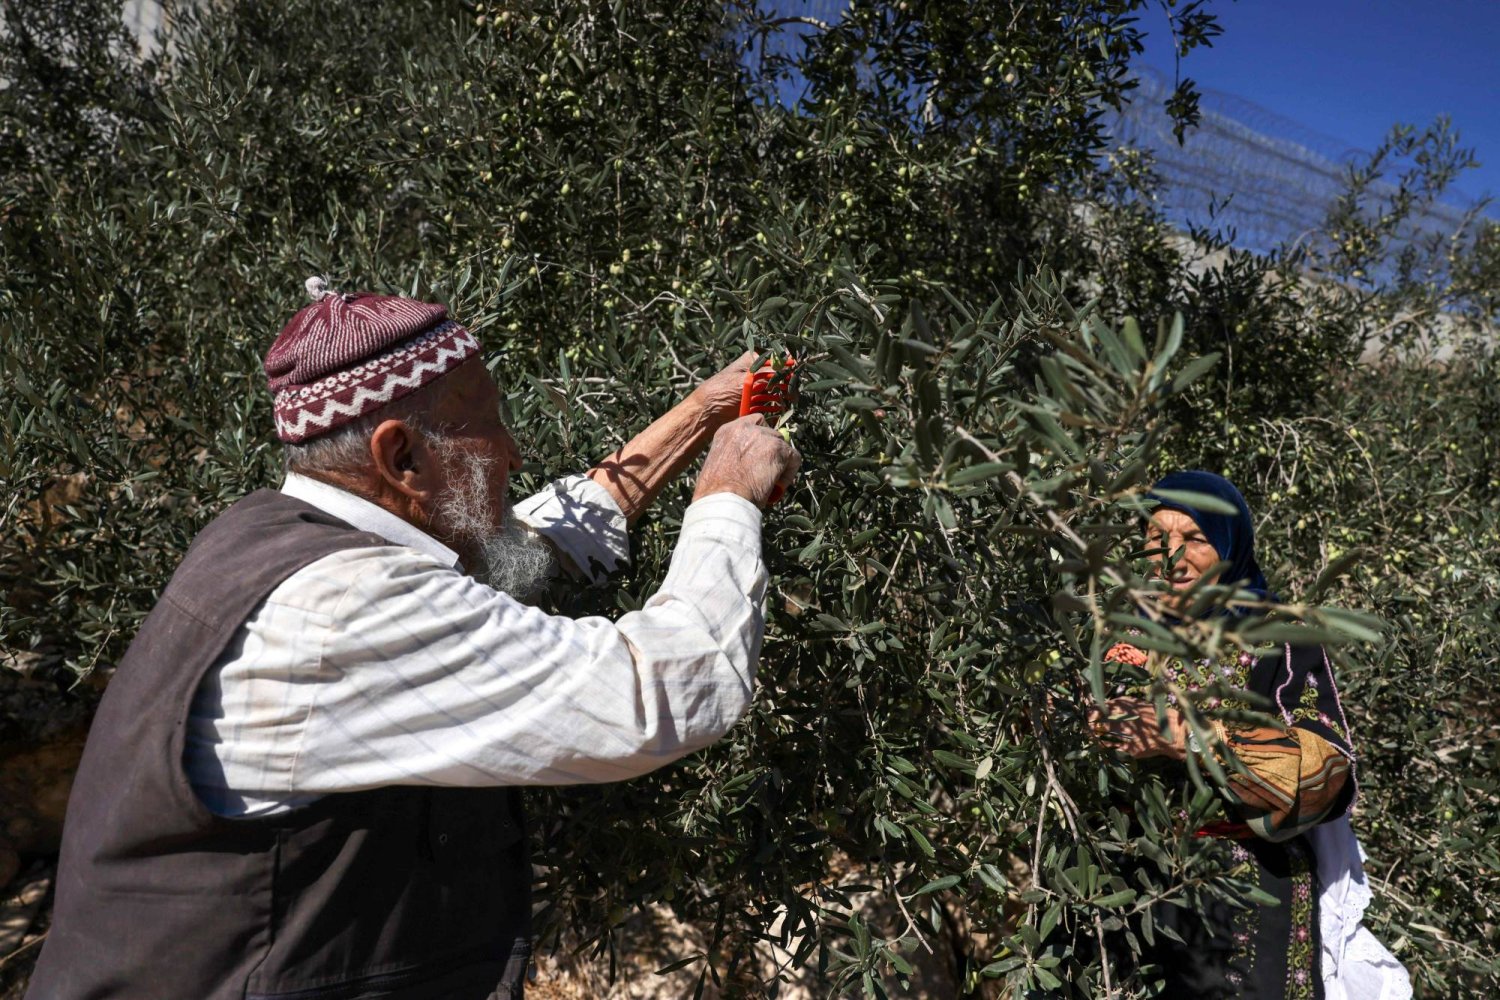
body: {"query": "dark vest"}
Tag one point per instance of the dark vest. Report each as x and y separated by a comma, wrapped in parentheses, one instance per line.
(398, 892)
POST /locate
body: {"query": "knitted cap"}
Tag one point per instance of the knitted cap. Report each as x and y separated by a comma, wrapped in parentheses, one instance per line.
(347, 355)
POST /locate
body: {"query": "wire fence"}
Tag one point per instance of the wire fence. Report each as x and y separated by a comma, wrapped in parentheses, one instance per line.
(1267, 178)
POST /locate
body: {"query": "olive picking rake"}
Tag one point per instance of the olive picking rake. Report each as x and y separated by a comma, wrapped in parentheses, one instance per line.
(765, 391)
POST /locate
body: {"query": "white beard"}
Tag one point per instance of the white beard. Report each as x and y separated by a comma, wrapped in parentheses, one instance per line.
(512, 559)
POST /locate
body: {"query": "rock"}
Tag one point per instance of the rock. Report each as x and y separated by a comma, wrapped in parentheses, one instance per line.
(34, 786)
(18, 910)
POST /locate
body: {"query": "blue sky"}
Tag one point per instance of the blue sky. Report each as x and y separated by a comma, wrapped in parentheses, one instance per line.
(1351, 68)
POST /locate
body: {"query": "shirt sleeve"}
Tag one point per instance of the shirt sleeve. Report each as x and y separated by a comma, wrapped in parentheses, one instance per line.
(583, 522)
(1303, 773)
(421, 675)
(1294, 780)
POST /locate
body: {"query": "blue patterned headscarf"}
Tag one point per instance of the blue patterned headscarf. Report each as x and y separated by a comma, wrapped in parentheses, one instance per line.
(1231, 535)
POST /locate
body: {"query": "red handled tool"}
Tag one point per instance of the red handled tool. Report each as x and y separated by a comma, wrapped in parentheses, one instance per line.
(765, 391)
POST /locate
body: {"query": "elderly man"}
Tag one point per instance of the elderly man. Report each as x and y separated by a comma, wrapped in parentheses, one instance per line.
(303, 780)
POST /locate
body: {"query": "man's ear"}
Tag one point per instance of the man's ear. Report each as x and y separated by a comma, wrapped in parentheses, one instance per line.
(404, 461)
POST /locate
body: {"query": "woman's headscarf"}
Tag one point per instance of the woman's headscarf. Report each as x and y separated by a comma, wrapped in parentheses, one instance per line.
(1231, 535)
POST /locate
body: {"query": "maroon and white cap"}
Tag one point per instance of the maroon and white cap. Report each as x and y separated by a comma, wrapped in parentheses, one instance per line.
(349, 354)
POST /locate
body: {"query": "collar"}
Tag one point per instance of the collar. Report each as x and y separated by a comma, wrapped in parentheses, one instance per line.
(366, 516)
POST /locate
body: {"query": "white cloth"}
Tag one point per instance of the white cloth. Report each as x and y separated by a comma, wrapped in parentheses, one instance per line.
(1356, 966)
(387, 665)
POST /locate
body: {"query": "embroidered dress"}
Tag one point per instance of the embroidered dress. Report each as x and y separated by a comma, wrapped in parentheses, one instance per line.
(1300, 776)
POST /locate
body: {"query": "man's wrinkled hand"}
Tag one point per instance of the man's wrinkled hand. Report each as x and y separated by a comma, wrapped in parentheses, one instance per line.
(749, 459)
(719, 395)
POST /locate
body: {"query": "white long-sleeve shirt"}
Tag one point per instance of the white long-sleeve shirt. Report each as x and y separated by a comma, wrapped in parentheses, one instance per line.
(388, 665)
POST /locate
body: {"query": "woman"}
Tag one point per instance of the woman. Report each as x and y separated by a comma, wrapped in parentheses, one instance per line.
(1300, 772)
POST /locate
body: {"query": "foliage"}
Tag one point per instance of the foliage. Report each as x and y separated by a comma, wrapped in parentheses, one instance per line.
(616, 199)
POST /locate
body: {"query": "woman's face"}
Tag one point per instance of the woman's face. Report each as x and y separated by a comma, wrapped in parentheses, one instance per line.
(1180, 552)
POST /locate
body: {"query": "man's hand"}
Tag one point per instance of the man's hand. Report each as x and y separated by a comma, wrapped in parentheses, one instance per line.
(719, 395)
(1130, 724)
(636, 473)
(748, 459)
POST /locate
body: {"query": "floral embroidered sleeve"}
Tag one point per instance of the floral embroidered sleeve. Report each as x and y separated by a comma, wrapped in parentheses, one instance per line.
(1300, 774)
(1303, 774)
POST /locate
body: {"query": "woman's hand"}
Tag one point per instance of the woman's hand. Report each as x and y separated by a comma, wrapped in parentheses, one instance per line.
(1131, 725)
